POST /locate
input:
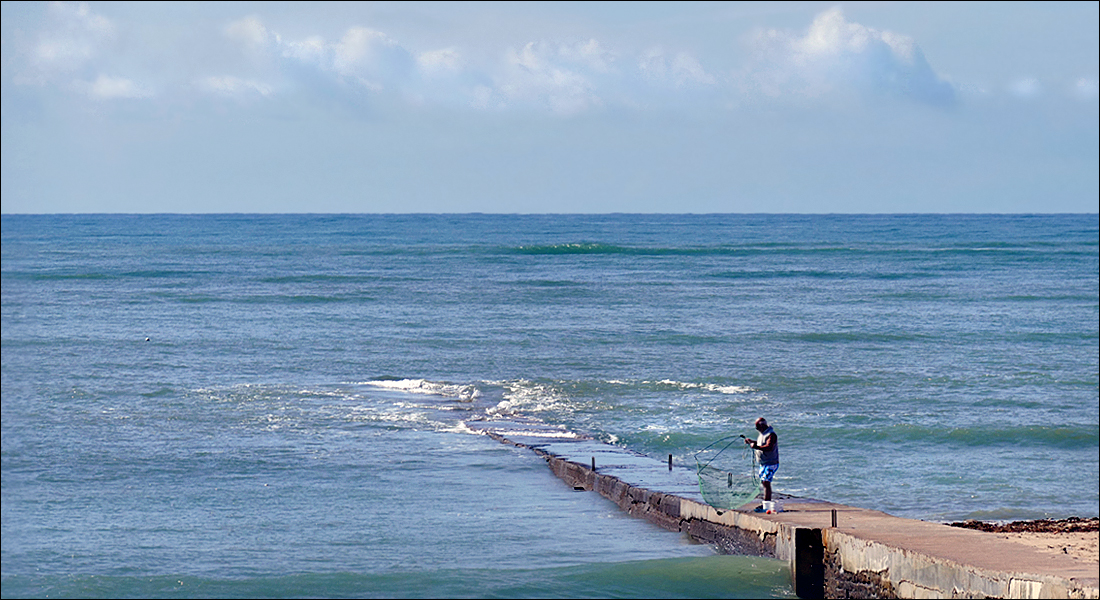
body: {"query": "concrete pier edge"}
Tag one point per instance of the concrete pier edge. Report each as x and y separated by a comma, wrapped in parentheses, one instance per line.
(825, 562)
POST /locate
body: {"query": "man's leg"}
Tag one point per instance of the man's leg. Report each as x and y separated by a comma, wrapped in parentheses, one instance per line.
(767, 490)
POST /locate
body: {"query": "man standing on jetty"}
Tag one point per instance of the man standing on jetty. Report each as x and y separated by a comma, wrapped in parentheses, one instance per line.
(767, 456)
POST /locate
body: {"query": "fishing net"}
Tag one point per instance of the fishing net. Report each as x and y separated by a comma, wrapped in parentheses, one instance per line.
(727, 476)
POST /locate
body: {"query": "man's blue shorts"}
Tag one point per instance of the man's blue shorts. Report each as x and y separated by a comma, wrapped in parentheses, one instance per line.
(767, 472)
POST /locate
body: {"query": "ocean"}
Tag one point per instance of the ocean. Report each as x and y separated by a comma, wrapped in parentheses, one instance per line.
(275, 405)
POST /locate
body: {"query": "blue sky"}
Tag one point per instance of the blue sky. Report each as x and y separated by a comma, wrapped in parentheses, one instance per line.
(550, 108)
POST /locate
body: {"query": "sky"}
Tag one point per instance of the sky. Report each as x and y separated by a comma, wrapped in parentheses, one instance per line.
(744, 107)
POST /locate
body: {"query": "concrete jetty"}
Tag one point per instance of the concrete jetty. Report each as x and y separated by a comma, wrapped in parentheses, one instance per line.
(867, 554)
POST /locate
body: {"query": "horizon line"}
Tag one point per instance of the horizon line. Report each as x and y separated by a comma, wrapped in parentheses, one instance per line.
(573, 214)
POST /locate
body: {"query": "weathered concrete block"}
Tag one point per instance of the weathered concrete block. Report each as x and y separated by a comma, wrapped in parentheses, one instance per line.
(654, 499)
(606, 485)
(731, 540)
(619, 492)
(670, 505)
(574, 475)
(844, 584)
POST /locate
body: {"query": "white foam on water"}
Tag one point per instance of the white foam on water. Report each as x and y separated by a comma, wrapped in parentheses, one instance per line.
(686, 385)
(462, 427)
(423, 386)
(525, 395)
(537, 433)
(706, 387)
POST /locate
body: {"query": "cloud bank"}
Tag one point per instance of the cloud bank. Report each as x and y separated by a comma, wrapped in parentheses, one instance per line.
(65, 54)
(836, 56)
(832, 61)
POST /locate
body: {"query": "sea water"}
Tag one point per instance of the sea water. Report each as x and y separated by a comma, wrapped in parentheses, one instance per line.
(246, 405)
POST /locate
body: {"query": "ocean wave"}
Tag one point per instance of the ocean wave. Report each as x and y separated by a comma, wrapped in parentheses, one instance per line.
(674, 385)
(538, 433)
(800, 249)
(851, 336)
(526, 395)
(764, 274)
(550, 283)
(398, 416)
(574, 248)
(265, 299)
(105, 275)
(1066, 437)
(566, 396)
(423, 386)
(322, 278)
(707, 387)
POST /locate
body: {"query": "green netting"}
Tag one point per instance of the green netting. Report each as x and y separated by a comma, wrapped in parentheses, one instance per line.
(727, 476)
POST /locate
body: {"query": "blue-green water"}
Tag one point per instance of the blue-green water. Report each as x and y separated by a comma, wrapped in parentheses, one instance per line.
(293, 425)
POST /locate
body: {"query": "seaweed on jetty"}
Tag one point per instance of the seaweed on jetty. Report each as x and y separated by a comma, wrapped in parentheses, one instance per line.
(1070, 525)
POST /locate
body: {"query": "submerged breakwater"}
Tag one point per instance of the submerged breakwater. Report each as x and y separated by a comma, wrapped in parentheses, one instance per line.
(833, 551)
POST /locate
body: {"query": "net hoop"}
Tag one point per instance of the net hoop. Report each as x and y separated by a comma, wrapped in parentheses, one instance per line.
(721, 483)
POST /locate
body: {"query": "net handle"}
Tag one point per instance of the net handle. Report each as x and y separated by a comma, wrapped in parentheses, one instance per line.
(719, 440)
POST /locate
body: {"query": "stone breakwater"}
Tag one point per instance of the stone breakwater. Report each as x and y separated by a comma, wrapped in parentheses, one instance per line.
(834, 551)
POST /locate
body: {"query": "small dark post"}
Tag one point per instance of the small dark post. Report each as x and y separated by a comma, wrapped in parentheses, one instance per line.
(669, 462)
(834, 517)
(593, 464)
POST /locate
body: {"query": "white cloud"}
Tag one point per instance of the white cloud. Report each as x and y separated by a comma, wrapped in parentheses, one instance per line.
(111, 88)
(72, 48)
(373, 58)
(63, 53)
(839, 57)
(74, 37)
(831, 57)
(313, 50)
(362, 55)
(1086, 89)
(228, 85)
(359, 45)
(82, 15)
(1027, 87)
(678, 70)
(537, 76)
(251, 33)
(436, 62)
(589, 53)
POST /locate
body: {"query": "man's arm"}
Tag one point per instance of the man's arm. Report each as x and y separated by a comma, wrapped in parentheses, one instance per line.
(769, 443)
